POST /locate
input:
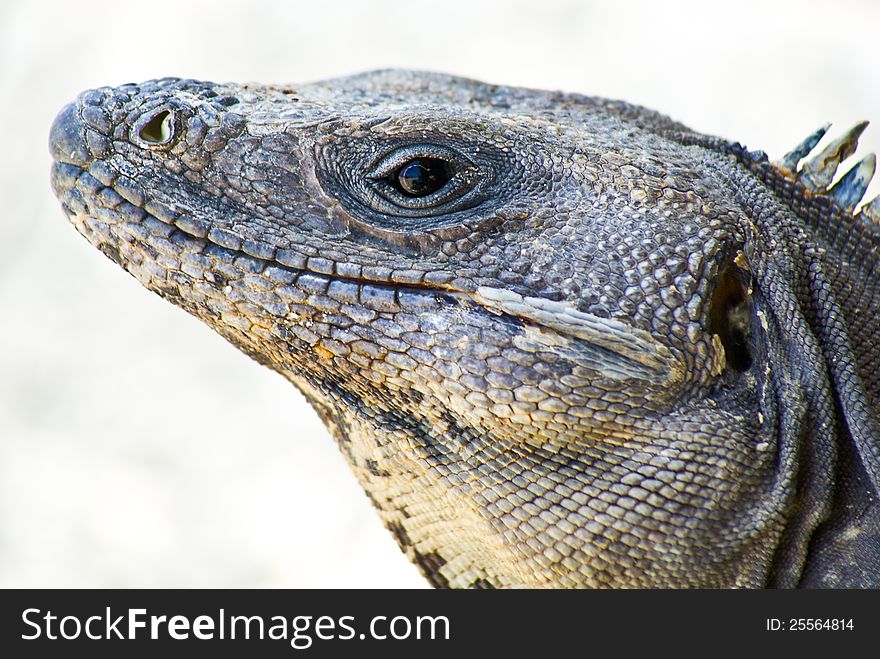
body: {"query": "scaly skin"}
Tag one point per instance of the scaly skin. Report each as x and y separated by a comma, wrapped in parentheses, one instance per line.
(608, 352)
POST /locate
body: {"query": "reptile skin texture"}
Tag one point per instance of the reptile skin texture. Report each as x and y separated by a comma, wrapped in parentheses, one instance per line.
(562, 341)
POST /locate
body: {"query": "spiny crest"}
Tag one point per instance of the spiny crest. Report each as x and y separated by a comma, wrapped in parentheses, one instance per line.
(817, 173)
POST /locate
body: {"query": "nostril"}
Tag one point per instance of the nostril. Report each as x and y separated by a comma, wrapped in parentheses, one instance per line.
(67, 142)
(157, 130)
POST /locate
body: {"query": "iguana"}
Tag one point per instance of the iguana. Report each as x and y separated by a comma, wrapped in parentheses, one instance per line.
(562, 341)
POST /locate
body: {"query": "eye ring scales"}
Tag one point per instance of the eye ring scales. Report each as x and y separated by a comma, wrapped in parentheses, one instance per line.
(424, 177)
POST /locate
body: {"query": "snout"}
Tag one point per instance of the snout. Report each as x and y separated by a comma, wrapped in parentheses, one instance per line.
(67, 137)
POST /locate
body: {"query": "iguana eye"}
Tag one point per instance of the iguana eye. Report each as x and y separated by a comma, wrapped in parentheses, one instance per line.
(385, 181)
(422, 176)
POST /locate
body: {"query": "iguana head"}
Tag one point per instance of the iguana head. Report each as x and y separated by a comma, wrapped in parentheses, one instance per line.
(562, 341)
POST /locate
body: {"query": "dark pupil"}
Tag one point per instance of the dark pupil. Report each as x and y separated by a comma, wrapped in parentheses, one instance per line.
(422, 176)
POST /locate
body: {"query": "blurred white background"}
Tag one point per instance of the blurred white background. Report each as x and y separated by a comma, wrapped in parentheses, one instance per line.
(139, 449)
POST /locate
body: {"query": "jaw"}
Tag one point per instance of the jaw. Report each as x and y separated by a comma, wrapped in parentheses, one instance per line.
(473, 471)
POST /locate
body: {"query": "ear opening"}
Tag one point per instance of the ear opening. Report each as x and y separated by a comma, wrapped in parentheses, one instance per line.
(730, 314)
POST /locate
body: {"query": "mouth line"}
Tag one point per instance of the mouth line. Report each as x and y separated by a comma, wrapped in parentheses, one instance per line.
(101, 185)
(70, 181)
(611, 347)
